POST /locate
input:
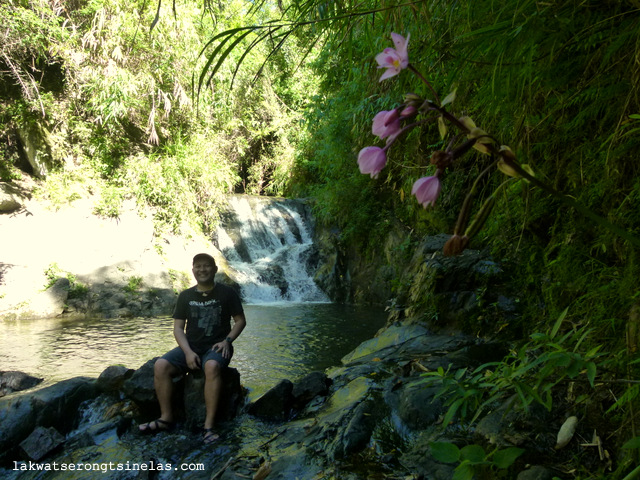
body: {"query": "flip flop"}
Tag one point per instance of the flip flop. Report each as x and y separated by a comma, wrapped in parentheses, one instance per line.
(154, 426)
(209, 436)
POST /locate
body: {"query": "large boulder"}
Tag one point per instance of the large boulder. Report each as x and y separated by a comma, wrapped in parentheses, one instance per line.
(417, 407)
(139, 386)
(10, 199)
(310, 386)
(51, 406)
(112, 379)
(38, 147)
(14, 381)
(275, 404)
(47, 303)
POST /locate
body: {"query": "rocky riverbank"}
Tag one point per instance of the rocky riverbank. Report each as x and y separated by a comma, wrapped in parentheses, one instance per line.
(371, 416)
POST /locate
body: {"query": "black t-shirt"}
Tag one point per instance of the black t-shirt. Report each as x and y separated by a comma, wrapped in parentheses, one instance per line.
(208, 315)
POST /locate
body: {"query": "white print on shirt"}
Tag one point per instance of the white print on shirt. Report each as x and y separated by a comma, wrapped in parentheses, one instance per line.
(207, 315)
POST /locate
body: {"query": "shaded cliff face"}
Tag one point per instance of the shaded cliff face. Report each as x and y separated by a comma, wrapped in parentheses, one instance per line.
(468, 292)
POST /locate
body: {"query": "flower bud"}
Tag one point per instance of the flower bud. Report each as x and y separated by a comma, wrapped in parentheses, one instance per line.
(408, 111)
(507, 169)
(455, 245)
(440, 159)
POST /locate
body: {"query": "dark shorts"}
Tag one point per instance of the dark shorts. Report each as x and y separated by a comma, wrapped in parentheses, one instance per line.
(176, 358)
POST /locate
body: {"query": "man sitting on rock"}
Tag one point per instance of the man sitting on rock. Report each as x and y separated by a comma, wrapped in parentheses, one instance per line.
(206, 311)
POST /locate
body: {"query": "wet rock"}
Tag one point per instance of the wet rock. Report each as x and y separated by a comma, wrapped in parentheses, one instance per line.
(404, 341)
(384, 344)
(417, 406)
(41, 442)
(274, 274)
(309, 387)
(139, 386)
(357, 433)
(275, 404)
(113, 377)
(14, 381)
(52, 406)
(417, 458)
(57, 405)
(98, 434)
(343, 401)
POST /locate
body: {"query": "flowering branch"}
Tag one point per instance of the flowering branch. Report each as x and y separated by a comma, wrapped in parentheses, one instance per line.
(388, 125)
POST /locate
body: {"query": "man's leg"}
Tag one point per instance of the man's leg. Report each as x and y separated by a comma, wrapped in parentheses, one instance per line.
(163, 373)
(212, 389)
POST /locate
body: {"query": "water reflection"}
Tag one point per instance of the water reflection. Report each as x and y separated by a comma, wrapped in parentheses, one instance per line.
(280, 341)
(57, 349)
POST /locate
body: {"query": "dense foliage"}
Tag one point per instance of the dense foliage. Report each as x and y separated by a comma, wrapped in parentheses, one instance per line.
(555, 81)
(130, 111)
(114, 101)
(558, 83)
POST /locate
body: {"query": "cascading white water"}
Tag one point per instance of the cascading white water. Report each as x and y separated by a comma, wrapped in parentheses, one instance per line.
(268, 245)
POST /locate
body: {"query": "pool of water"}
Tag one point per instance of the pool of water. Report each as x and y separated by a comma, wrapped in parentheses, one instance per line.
(280, 341)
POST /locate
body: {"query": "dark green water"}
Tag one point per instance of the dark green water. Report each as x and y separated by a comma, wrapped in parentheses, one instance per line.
(280, 341)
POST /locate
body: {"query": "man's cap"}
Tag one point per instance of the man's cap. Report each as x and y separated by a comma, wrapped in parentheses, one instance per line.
(204, 256)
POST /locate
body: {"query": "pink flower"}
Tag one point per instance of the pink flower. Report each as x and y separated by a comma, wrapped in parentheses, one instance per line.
(386, 124)
(394, 59)
(426, 190)
(372, 160)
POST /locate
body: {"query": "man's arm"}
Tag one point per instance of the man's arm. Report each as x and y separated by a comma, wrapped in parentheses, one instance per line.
(193, 360)
(239, 322)
(224, 347)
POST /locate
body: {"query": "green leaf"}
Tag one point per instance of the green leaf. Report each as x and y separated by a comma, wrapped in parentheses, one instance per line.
(591, 372)
(539, 337)
(445, 452)
(473, 453)
(449, 98)
(505, 458)
(559, 321)
(574, 368)
(633, 443)
(452, 411)
(464, 471)
(442, 127)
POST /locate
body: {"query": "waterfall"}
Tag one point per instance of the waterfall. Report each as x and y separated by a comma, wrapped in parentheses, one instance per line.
(268, 245)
